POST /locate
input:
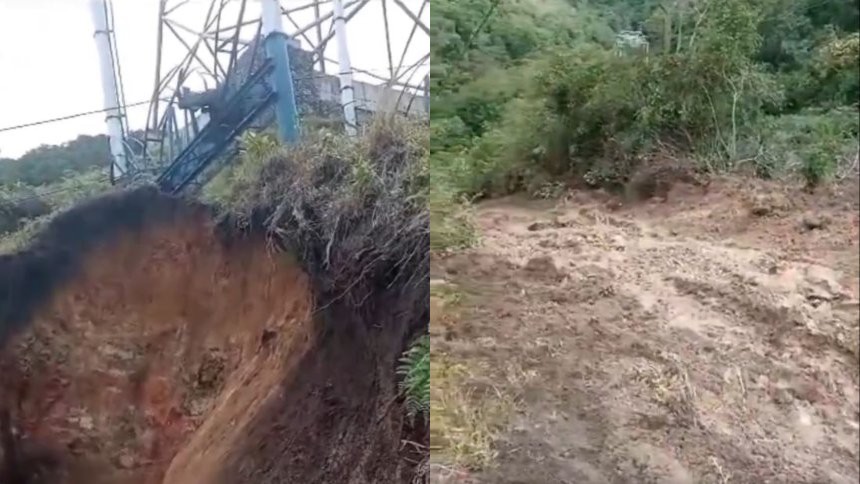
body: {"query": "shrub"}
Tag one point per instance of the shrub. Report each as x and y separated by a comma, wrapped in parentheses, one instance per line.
(17, 206)
(24, 209)
(352, 210)
(229, 185)
(711, 86)
(812, 143)
(414, 370)
(451, 225)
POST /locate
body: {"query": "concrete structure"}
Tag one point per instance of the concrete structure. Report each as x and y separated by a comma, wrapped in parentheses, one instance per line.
(370, 98)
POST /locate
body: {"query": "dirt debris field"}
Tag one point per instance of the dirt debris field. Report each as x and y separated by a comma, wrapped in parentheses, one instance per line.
(709, 339)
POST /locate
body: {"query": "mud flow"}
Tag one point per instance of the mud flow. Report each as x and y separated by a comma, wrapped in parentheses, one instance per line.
(143, 346)
(707, 339)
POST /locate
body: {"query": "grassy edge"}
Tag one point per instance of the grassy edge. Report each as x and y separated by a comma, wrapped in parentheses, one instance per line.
(465, 423)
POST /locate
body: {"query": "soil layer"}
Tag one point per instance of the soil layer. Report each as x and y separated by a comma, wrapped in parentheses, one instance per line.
(145, 345)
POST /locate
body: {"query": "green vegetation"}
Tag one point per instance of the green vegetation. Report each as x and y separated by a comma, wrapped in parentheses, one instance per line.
(46, 180)
(24, 209)
(414, 370)
(552, 90)
(47, 165)
(229, 186)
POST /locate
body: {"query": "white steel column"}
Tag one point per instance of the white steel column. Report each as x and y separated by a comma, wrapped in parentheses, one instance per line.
(109, 87)
(347, 93)
(271, 17)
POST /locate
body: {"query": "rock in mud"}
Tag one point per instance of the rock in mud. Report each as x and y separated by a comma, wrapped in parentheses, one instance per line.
(807, 390)
(126, 461)
(771, 204)
(547, 244)
(543, 267)
(555, 223)
(538, 226)
(614, 205)
(813, 221)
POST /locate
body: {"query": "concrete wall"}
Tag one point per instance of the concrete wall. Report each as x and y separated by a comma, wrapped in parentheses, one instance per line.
(372, 98)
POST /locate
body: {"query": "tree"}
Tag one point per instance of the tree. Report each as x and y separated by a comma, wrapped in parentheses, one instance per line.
(49, 164)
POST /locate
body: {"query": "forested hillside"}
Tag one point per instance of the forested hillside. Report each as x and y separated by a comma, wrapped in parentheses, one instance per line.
(46, 179)
(49, 164)
(530, 92)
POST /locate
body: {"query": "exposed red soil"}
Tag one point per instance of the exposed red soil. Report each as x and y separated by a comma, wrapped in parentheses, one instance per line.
(161, 333)
(172, 355)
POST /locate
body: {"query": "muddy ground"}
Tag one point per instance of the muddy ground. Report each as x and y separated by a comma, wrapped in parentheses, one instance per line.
(709, 339)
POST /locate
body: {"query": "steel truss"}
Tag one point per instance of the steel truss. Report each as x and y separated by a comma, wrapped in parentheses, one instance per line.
(218, 58)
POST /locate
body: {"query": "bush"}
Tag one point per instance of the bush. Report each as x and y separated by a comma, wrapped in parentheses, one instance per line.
(525, 145)
(24, 208)
(353, 211)
(829, 78)
(17, 206)
(75, 187)
(451, 224)
(812, 143)
(229, 186)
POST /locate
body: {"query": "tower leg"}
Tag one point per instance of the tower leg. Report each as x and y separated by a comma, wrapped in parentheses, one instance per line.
(110, 92)
(347, 92)
(276, 42)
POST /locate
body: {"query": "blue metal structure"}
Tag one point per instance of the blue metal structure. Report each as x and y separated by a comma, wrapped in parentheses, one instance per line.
(237, 108)
(282, 83)
(222, 130)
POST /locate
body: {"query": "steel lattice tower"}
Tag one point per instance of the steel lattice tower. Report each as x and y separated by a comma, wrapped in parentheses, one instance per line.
(225, 66)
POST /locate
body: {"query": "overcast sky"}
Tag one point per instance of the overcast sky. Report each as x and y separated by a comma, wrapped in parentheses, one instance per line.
(49, 65)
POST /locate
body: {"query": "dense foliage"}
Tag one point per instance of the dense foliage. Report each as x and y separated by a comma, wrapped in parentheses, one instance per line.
(46, 179)
(545, 89)
(50, 164)
(49, 178)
